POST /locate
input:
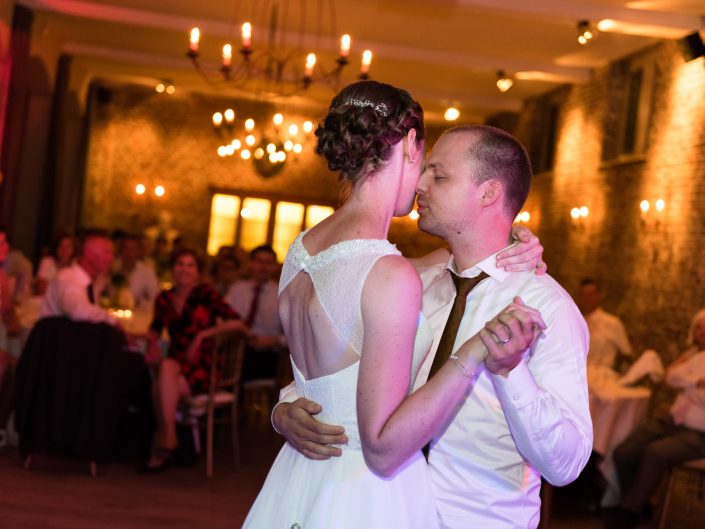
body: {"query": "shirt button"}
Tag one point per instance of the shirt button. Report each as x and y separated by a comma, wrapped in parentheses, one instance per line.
(515, 397)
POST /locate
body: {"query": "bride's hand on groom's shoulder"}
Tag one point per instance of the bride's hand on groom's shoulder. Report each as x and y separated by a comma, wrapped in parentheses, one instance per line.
(526, 255)
(296, 422)
(509, 334)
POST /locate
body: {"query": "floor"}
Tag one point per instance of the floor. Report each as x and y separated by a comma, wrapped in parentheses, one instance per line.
(58, 493)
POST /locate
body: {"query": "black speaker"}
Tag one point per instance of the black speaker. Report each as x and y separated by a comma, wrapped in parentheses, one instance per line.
(692, 46)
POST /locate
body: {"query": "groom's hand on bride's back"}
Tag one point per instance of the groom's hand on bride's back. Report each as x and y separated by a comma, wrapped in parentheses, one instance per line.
(295, 421)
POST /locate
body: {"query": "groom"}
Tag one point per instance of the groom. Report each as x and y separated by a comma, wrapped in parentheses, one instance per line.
(527, 415)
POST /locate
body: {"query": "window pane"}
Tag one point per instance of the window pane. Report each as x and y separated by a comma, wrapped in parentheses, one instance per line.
(630, 129)
(287, 225)
(254, 217)
(221, 232)
(315, 214)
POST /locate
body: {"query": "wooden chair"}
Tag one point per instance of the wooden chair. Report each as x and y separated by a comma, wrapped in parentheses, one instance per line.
(223, 392)
(698, 466)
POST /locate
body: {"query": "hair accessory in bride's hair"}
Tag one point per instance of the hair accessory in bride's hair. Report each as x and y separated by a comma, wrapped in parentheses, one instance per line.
(380, 108)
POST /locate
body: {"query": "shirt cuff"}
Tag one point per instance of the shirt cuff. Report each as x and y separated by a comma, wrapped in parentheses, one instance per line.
(519, 388)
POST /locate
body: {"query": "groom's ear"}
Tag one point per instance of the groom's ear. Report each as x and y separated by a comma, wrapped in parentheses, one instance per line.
(492, 191)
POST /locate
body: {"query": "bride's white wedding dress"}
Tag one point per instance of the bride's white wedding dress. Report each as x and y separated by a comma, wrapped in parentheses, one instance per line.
(341, 492)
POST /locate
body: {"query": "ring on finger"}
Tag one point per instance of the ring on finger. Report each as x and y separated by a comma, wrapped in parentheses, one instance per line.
(502, 342)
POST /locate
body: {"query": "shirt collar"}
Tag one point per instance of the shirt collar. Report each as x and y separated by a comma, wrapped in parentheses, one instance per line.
(487, 265)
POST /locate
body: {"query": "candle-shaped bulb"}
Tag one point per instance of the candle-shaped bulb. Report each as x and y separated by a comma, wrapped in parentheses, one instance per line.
(345, 45)
(246, 35)
(366, 61)
(217, 119)
(249, 124)
(227, 55)
(229, 115)
(278, 119)
(194, 39)
(310, 63)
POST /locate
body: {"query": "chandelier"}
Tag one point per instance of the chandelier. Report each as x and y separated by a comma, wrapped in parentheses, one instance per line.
(269, 145)
(282, 63)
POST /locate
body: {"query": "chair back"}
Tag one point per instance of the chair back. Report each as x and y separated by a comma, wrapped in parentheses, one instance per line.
(228, 356)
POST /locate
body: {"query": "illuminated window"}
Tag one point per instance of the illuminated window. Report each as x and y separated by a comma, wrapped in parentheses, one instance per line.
(254, 222)
(224, 209)
(250, 222)
(288, 218)
(315, 214)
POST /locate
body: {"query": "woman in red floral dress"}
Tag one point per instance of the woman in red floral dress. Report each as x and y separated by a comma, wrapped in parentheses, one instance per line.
(192, 312)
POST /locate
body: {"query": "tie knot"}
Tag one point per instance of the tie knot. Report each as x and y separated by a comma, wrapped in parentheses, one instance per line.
(463, 285)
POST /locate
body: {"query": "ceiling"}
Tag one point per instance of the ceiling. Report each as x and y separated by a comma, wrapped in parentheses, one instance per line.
(444, 51)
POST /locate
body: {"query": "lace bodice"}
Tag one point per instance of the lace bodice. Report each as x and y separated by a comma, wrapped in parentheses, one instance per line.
(338, 274)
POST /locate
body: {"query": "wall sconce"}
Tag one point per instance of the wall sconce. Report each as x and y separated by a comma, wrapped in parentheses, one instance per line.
(585, 32)
(165, 86)
(504, 82)
(524, 216)
(655, 217)
(141, 189)
(579, 212)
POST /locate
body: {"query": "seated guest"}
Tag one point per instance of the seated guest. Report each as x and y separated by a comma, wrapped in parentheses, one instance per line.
(72, 293)
(608, 339)
(192, 312)
(141, 279)
(7, 376)
(16, 266)
(645, 456)
(225, 272)
(257, 300)
(63, 251)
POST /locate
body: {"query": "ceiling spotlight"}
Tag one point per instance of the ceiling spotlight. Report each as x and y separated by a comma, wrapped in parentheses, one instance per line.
(504, 82)
(451, 114)
(585, 32)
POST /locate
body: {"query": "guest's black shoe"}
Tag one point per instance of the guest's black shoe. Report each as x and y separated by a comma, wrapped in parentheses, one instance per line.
(619, 518)
(162, 459)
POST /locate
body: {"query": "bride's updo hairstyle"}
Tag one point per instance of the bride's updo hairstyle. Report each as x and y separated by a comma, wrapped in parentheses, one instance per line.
(365, 120)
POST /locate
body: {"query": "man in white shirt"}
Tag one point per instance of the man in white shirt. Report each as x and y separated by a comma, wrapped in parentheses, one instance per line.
(140, 278)
(526, 416)
(256, 300)
(71, 293)
(608, 339)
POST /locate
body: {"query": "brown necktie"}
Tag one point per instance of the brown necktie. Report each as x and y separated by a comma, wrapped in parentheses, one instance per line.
(463, 286)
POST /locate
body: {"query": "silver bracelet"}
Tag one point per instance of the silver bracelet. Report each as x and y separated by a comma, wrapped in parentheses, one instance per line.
(464, 371)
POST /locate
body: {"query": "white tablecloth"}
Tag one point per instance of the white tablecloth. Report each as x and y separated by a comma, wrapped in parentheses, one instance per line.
(616, 411)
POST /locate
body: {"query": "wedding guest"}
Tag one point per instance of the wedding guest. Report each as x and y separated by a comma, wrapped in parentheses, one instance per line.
(141, 280)
(257, 300)
(608, 339)
(224, 273)
(62, 253)
(73, 292)
(17, 267)
(191, 312)
(643, 458)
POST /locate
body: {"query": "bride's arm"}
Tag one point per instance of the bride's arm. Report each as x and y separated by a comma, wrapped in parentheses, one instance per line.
(527, 254)
(393, 426)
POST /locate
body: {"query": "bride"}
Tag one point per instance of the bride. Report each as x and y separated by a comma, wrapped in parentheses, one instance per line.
(350, 305)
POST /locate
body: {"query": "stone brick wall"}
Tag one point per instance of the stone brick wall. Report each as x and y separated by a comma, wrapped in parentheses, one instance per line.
(652, 267)
(139, 136)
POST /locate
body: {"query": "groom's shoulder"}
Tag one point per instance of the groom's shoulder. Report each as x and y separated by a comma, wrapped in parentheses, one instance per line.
(540, 290)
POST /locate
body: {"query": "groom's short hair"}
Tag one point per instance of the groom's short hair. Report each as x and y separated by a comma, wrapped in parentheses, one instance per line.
(496, 154)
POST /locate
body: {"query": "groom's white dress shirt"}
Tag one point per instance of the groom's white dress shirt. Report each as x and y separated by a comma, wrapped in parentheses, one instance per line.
(486, 464)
